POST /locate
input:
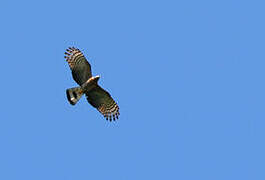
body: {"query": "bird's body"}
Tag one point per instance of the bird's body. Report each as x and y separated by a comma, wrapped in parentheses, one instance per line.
(88, 85)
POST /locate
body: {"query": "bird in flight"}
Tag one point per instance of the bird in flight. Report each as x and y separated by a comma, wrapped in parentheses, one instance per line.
(88, 85)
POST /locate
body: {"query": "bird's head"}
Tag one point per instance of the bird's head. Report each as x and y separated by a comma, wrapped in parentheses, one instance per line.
(96, 78)
(90, 82)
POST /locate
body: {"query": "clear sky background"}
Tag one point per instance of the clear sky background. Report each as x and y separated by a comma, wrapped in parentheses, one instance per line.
(188, 77)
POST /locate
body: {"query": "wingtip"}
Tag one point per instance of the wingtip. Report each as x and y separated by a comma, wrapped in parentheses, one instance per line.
(112, 117)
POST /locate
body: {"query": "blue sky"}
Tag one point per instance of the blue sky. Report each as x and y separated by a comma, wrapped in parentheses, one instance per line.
(188, 77)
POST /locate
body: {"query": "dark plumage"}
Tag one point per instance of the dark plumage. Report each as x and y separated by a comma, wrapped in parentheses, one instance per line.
(96, 96)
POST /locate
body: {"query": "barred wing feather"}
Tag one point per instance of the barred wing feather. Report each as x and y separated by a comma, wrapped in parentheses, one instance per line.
(102, 100)
(81, 69)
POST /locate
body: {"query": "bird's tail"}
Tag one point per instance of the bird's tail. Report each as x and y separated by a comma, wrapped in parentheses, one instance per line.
(74, 94)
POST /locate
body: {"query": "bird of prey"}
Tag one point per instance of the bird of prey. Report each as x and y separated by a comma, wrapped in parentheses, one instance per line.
(88, 85)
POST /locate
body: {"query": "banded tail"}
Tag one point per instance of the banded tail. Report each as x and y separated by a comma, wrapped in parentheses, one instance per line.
(74, 94)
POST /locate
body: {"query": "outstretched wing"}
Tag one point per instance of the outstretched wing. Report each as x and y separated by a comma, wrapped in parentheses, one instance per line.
(81, 69)
(101, 99)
